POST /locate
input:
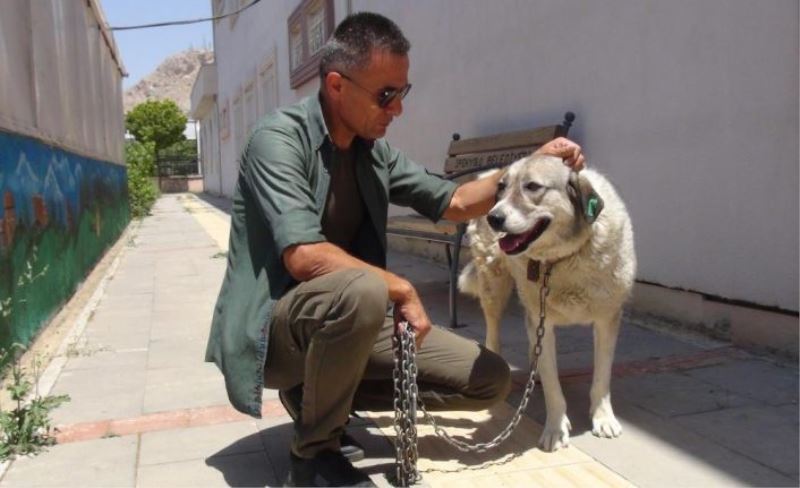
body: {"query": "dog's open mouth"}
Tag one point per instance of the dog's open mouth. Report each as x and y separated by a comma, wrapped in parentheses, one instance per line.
(516, 243)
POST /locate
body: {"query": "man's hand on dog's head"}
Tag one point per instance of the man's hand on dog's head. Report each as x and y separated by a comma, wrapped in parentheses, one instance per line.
(568, 150)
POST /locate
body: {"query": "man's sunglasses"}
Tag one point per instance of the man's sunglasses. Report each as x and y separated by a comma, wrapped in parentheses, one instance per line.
(386, 95)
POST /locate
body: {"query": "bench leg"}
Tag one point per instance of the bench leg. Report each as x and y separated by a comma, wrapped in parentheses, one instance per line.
(453, 262)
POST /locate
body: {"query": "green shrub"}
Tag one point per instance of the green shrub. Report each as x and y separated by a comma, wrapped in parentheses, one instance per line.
(140, 158)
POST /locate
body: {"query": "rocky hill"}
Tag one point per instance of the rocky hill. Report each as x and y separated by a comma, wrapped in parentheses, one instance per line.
(173, 79)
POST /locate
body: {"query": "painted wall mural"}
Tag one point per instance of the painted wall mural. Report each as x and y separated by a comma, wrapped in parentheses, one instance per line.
(59, 213)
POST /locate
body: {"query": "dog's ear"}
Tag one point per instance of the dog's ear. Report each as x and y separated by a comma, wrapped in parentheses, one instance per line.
(586, 201)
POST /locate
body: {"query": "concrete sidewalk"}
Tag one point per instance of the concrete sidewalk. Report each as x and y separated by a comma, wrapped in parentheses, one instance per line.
(146, 411)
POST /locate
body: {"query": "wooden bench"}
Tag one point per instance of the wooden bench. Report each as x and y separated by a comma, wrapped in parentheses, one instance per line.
(465, 158)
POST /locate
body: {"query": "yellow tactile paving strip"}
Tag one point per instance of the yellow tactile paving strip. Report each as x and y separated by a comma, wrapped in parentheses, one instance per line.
(215, 222)
(516, 463)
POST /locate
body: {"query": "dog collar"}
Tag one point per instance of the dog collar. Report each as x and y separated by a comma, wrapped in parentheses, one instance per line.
(535, 268)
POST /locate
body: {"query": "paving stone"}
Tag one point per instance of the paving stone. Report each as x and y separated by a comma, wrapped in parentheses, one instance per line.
(119, 337)
(188, 387)
(99, 393)
(176, 353)
(765, 381)
(655, 452)
(276, 435)
(251, 469)
(176, 445)
(98, 463)
(100, 356)
(766, 434)
(130, 284)
(671, 394)
(113, 308)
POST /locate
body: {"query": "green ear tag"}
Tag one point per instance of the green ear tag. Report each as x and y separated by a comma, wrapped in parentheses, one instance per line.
(591, 208)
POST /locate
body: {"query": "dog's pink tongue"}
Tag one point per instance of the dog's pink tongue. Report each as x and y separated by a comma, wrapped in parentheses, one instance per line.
(510, 242)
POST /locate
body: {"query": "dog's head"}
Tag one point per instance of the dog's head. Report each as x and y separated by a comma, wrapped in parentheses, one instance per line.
(541, 206)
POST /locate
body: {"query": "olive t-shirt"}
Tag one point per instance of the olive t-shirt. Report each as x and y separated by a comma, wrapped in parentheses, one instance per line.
(344, 209)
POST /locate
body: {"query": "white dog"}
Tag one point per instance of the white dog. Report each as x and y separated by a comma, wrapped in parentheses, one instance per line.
(547, 216)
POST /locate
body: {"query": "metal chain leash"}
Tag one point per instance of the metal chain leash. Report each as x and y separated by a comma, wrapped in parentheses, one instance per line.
(406, 399)
(405, 407)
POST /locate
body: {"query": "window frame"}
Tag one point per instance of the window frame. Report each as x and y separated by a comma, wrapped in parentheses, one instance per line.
(308, 66)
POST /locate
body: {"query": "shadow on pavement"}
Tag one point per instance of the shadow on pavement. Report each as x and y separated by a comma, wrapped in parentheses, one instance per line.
(221, 203)
(241, 470)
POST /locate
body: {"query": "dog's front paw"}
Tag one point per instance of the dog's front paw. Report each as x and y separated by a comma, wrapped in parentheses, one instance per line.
(556, 434)
(605, 424)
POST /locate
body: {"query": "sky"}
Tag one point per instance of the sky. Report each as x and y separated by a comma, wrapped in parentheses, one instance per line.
(143, 50)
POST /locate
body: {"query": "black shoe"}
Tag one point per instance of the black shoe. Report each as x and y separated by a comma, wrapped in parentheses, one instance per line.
(291, 399)
(351, 448)
(328, 468)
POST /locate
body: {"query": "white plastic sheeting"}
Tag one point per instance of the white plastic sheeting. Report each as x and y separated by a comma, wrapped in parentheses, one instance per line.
(61, 81)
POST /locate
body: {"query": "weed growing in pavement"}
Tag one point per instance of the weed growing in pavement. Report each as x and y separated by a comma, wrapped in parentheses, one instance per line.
(26, 429)
(75, 350)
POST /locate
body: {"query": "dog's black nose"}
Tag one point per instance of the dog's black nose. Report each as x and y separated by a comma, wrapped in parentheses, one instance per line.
(496, 221)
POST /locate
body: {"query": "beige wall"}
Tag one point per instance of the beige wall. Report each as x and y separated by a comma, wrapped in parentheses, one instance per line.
(61, 81)
(691, 108)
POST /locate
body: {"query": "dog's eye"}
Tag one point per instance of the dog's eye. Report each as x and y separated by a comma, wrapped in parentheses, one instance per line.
(533, 186)
(501, 185)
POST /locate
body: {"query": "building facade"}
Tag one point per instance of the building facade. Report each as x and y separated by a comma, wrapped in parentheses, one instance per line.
(62, 176)
(691, 109)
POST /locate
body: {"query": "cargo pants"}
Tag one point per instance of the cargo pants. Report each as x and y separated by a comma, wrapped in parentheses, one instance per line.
(332, 335)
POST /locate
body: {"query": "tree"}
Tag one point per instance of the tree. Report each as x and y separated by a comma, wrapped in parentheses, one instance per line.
(158, 121)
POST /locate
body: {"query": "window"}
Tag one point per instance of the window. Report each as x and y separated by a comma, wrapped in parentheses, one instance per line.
(316, 30)
(310, 25)
(296, 45)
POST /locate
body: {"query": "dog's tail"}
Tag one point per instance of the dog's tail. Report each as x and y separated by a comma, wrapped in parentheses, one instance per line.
(468, 280)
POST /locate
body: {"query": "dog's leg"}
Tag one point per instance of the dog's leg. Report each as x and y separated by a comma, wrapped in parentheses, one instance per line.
(604, 423)
(557, 425)
(496, 285)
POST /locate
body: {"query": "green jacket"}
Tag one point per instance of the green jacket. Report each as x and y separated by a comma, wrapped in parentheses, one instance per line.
(278, 202)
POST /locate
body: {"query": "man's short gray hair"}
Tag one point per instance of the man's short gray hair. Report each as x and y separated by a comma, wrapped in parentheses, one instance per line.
(354, 39)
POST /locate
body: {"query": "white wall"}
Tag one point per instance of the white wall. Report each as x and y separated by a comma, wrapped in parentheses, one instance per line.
(690, 107)
(61, 81)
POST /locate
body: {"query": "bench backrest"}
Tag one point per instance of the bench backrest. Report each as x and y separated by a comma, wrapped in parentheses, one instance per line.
(469, 156)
